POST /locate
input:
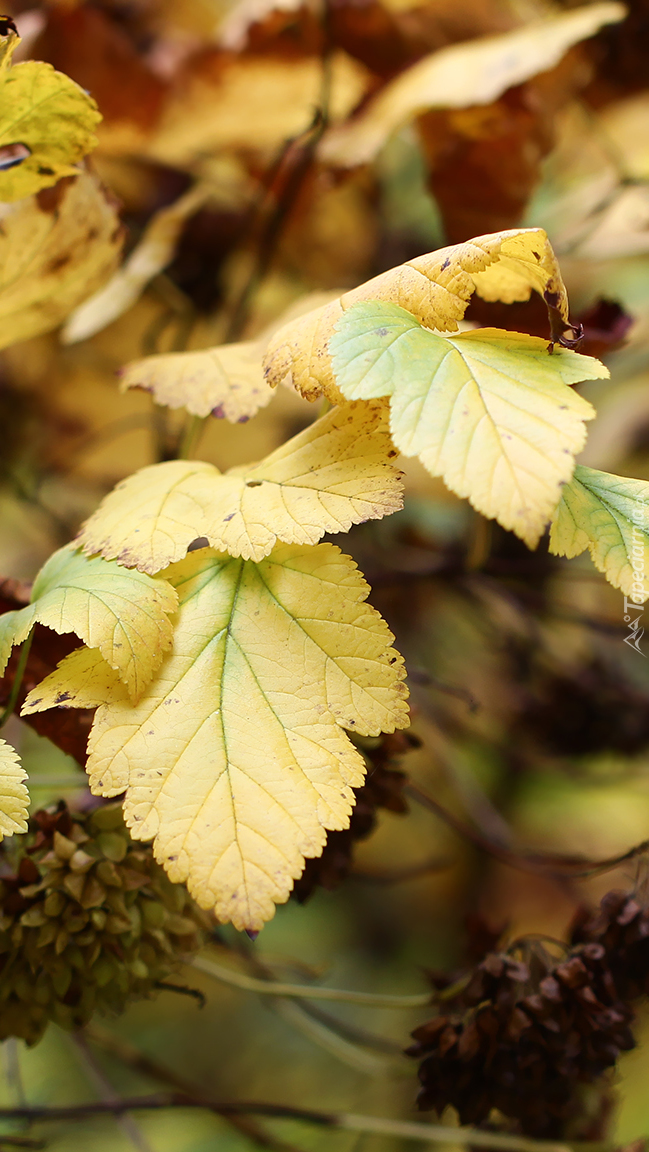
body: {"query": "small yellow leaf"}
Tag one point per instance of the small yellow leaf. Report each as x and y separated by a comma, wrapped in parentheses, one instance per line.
(489, 411)
(14, 797)
(334, 474)
(226, 381)
(435, 288)
(155, 250)
(124, 614)
(55, 249)
(463, 75)
(81, 680)
(609, 515)
(52, 118)
(235, 759)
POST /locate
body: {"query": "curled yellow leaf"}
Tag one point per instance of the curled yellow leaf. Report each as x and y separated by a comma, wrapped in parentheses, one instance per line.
(435, 288)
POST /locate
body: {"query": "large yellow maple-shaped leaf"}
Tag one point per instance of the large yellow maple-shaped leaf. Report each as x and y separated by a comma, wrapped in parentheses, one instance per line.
(235, 760)
(488, 411)
(124, 614)
(47, 120)
(334, 474)
(609, 515)
(55, 249)
(14, 797)
(462, 76)
(435, 288)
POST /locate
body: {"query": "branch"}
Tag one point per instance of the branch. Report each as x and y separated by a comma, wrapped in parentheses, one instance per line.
(308, 991)
(561, 867)
(379, 1125)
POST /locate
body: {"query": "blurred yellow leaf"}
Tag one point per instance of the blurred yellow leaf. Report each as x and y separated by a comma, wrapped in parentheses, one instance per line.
(124, 614)
(463, 75)
(334, 474)
(55, 249)
(155, 250)
(488, 411)
(234, 760)
(14, 797)
(47, 123)
(242, 103)
(435, 288)
(609, 515)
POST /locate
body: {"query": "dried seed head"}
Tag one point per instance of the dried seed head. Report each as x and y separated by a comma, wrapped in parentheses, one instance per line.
(88, 922)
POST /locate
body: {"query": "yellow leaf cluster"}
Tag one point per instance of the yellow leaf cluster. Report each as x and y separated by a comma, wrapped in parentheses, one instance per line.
(234, 760)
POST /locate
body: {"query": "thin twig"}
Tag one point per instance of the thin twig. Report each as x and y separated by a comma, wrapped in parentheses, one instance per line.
(108, 1095)
(20, 1142)
(570, 867)
(134, 1058)
(308, 991)
(408, 1130)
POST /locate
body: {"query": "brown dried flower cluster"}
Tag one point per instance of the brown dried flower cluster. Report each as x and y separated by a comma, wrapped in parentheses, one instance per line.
(526, 1038)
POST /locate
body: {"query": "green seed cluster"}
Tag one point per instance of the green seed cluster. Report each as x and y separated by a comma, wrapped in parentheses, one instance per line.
(88, 921)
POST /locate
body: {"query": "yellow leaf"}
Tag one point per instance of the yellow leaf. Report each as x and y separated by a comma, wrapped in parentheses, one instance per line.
(55, 249)
(249, 104)
(51, 117)
(463, 75)
(124, 614)
(235, 760)
(155, 250)
(334, 474)
(226, 381)
(81, 680)
(609, 515)
(489, 411)
(435, 288)
(14, 797)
